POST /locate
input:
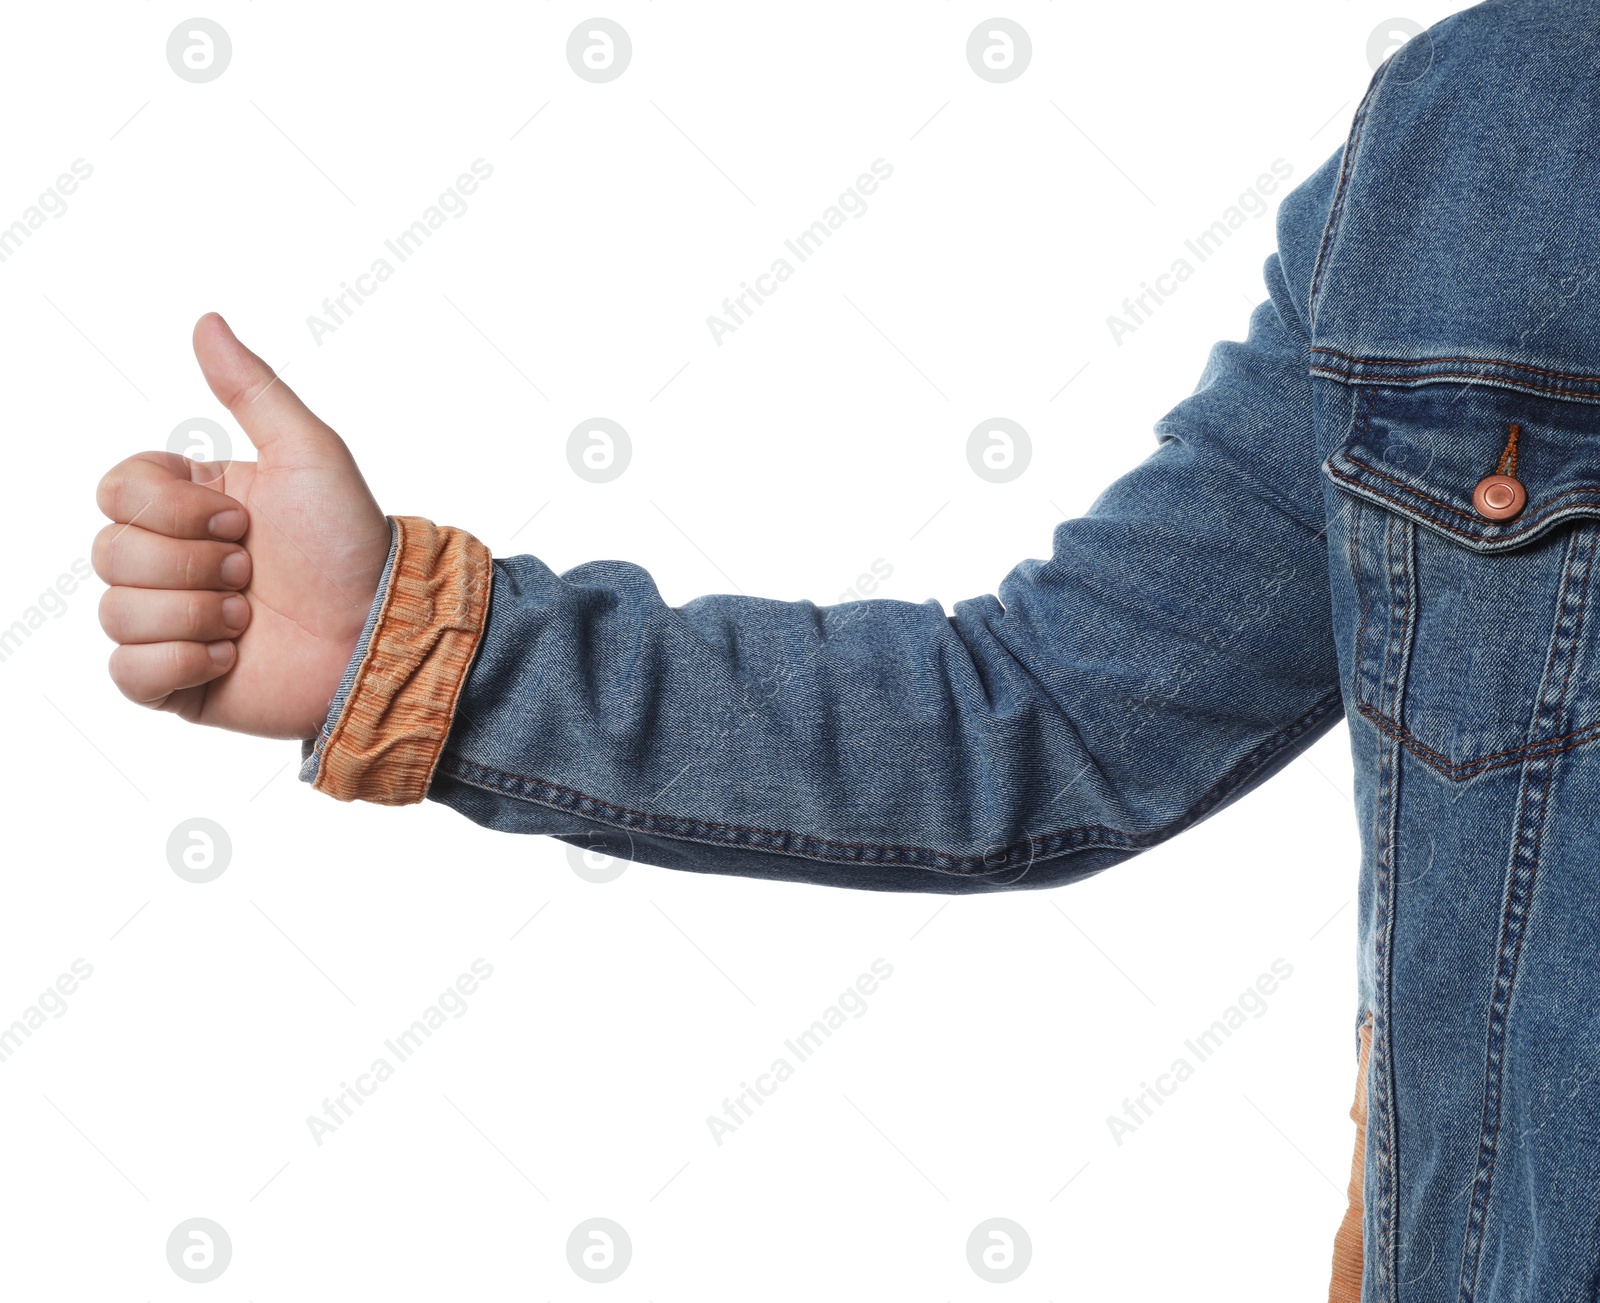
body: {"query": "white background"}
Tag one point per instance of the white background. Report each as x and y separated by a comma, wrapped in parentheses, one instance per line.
(826, 434)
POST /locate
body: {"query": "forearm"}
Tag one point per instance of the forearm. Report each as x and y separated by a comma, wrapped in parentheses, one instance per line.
(1174, 651)
(880, 745)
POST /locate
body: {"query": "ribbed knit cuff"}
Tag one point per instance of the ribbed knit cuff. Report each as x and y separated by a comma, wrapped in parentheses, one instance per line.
(386, 741)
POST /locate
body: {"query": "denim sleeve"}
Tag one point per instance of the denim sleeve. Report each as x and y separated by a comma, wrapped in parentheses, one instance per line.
(1174, 651)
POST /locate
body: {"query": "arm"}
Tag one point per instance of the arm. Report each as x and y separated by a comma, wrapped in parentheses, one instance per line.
(1174, 651)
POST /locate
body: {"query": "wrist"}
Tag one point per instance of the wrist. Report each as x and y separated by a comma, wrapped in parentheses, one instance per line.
(315, 739)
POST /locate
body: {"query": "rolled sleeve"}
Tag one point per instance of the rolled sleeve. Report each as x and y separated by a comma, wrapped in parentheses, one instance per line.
(389, 719)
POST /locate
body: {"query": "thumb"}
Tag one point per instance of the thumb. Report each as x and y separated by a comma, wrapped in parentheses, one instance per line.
(271, 413)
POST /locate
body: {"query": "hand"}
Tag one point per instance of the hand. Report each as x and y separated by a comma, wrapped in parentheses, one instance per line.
(237, 600)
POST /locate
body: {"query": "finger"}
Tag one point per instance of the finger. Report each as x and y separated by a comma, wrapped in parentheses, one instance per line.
(151, 672)
(267, 409)
(155, 489)
(139, 615)
(141, 558)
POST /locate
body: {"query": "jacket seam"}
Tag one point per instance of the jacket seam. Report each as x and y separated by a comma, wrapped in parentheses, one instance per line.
(1336, 212)
(1385, 1213)
(1358, 579)
(1399, 546)
(1521, 386)
(1464, 769)
(1065, 842)
(1515, 913)
(1529, 523)
(1419, 362)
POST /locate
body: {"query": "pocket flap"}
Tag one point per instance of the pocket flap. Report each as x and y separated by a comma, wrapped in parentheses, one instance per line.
(1421, 451)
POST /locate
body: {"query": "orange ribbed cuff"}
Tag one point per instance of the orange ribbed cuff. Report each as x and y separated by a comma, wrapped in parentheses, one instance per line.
(1345, 1286)
(388, 737)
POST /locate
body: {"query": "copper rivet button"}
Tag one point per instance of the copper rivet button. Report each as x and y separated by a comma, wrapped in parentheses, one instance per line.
(1499, 497)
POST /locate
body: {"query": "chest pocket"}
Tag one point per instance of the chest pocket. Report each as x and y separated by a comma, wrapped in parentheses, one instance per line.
(1473, 627)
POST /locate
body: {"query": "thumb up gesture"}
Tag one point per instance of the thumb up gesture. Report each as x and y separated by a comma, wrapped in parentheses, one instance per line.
(238, 590)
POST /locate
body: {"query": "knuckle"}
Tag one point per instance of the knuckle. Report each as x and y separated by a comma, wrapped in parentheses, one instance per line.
(184, 509)
(103, 553)
(97, 557)
(163, 514)
(122, 673)
(195, 617)
(180, 660)
(106, 492)
(126, 493)
(111, 617)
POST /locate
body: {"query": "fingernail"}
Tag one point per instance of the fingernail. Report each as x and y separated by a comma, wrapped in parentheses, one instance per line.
(227, 524)
(235, 611)
(235, 569)
(221, 652)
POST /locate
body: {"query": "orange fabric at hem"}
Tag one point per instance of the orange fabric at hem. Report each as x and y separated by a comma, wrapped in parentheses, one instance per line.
(1347, 1259)
(387, 740)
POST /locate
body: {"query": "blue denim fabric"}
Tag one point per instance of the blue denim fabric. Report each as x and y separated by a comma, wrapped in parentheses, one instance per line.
(1301, 545)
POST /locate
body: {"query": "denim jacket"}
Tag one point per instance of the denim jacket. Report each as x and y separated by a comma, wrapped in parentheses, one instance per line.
(1383, 505)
